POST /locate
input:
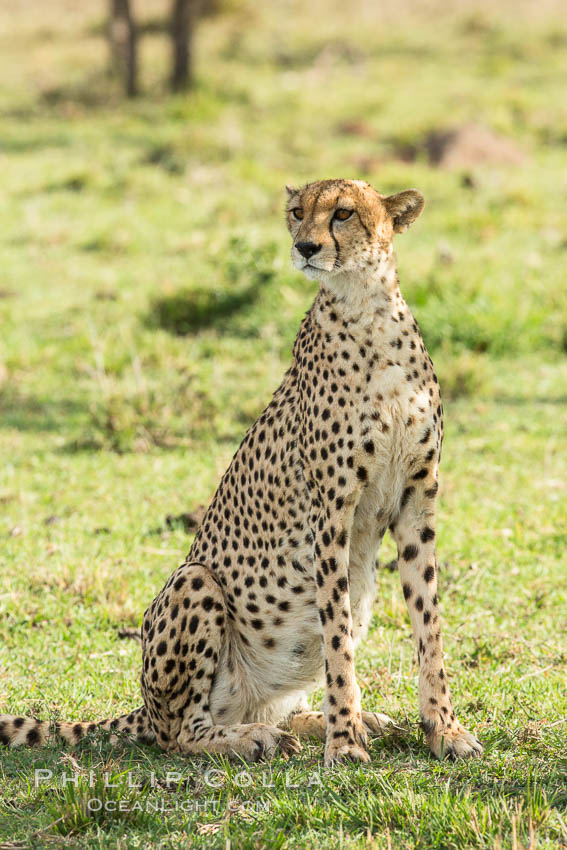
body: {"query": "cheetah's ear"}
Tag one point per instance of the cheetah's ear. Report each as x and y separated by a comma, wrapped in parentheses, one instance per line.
(291, 191)
(404, 208)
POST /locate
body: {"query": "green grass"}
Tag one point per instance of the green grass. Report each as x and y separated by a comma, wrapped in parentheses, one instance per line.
(147, 311)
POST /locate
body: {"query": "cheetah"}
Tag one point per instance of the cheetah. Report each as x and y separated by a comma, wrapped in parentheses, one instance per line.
(278, 587)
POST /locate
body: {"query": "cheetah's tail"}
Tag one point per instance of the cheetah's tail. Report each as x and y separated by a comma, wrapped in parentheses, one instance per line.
(17, 731)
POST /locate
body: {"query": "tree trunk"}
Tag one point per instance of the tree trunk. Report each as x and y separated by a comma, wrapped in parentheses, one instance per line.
(208, 8)
(183, 15)
(123, 45)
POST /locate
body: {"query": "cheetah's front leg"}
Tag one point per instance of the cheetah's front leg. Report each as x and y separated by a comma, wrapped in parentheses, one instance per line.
(346, 734)
(415, 537)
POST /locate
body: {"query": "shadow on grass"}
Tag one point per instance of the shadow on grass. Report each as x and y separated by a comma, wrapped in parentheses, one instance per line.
(31, 143)
(189, 311)
(29, 413)
(245, 272)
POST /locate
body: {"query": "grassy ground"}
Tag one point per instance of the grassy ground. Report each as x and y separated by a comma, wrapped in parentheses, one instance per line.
(147, 311)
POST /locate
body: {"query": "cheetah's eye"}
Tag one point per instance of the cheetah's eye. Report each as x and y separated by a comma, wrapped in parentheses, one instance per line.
(298, 213)
(342, 214)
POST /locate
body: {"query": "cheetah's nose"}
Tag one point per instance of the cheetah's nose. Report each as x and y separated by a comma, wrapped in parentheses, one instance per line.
(307, 249)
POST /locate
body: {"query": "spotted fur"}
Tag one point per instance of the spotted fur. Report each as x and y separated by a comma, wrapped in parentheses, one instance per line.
(278, 587)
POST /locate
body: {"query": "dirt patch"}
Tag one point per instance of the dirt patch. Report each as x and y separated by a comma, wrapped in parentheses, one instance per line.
(464, 147)
(354, 127)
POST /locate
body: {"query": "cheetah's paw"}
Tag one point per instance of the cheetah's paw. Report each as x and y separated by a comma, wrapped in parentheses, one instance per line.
(453, 743)
(378, 724)
(267, 741)
(345, 753)
(338, 750)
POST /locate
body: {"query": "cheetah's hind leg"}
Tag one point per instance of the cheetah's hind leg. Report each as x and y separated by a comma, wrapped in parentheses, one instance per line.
(307, 724)
(183, 638)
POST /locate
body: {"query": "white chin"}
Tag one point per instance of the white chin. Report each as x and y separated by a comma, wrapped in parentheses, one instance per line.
(312, 273)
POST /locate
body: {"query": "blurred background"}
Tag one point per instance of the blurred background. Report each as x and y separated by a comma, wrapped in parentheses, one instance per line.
(144, 150)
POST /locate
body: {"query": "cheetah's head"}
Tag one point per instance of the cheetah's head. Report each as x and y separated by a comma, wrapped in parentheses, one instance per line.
(342, 226)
